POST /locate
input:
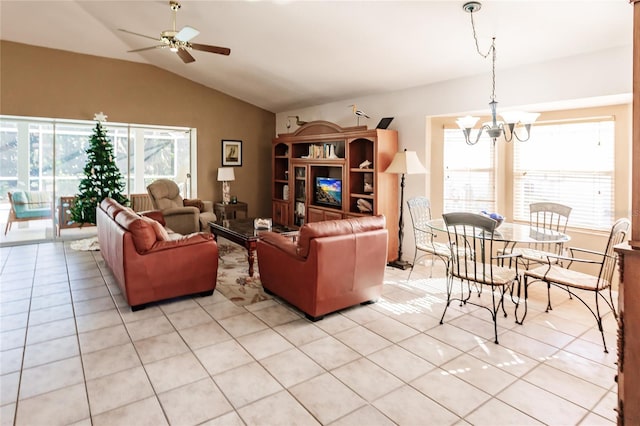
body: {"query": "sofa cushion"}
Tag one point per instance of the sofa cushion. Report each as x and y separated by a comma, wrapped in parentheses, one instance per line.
(104, 204)
(111, 206)
(39, 200)
(161, 233)
(328, 228)
(144, 237)
(155, 215)
(20, 202)
(31, 204)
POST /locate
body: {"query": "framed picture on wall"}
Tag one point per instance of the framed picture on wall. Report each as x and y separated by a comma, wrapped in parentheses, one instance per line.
(231, 153)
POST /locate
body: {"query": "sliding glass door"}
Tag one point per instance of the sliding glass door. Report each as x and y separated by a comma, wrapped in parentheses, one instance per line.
(47, 158)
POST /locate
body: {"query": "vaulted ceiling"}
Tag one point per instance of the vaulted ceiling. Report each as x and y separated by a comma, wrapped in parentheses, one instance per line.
(292, 54)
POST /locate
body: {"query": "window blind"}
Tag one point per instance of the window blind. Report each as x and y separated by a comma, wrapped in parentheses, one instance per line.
(469, 174)
(568, 163)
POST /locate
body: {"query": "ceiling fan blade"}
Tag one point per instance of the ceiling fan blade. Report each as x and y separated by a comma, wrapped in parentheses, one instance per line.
(140, 35)
(212, 49)
(187, 33)
(162, 46)
(185, 56)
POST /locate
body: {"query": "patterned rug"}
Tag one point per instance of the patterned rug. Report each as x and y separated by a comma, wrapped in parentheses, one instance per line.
(233, 275)
(88, 244)
(233, 271)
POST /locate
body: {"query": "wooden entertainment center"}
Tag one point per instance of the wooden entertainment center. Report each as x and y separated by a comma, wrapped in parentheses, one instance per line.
(352, 158)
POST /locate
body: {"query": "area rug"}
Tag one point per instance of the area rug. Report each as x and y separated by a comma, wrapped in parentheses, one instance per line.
(88, 244)
(234, 281)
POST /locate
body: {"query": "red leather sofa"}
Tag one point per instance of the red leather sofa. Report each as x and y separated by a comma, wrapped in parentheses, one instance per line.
(148, 263)
(332, 265)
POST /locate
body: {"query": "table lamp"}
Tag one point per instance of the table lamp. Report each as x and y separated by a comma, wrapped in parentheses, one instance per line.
(405, 162)
(226, 175)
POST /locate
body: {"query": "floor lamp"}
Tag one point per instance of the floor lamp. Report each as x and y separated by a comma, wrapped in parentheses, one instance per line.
(404, 163)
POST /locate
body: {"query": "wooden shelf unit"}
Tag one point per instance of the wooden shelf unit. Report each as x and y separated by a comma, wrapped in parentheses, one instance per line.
(324, 149)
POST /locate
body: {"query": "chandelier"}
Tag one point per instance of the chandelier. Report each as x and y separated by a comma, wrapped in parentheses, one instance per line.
(513, 120)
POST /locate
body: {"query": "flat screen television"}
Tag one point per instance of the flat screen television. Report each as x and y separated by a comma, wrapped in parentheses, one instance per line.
(328, 192)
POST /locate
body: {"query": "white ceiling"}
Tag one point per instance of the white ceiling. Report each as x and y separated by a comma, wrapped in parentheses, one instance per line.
(293, 54)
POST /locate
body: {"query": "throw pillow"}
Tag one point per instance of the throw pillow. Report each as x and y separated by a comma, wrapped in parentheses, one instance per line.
(194, 203)
(161, 233)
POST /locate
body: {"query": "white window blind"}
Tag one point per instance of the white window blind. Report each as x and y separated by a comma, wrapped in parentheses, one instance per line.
(568, 163)
(469, 174)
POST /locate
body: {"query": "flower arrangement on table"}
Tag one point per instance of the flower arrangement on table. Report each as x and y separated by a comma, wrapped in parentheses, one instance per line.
(495, 216)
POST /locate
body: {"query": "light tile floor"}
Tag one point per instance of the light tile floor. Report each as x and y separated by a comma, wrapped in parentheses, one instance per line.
(74, 353)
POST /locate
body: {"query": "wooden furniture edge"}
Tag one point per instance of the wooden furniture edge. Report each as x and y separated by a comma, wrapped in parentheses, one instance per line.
(635, 160)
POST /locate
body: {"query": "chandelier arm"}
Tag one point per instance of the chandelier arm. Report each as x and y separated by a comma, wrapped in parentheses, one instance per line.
(527, 127)
(467, 135)
(508, 136)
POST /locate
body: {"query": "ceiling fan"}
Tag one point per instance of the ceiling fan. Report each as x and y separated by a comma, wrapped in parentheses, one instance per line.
(179, 41)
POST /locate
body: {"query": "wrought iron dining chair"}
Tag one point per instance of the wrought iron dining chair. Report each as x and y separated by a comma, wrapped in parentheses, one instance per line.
(420, 210)
(473, 233)
(544, 216)
(574, 281)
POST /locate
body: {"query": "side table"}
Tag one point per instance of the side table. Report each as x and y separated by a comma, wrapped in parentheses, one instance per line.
(229, 211)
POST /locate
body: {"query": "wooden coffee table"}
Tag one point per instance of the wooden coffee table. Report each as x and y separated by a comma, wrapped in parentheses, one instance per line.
(242, 232)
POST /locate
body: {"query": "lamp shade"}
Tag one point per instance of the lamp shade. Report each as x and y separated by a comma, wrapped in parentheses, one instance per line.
(406, 162)
(225, 174)
(512, 117)
(467, 122)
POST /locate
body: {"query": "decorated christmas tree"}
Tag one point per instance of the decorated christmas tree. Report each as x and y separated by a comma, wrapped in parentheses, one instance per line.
(103, 179)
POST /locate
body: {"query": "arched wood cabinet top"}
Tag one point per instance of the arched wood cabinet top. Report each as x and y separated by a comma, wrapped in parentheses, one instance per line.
(320, 127)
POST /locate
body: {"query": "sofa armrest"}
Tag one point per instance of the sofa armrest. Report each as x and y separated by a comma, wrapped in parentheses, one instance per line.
(189, 240)
(175, 211)
(183, 220)
(286, 244)
(208, 206)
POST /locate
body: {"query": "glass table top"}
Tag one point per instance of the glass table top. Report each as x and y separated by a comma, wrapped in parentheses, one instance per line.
(244, 228)
(515, 232)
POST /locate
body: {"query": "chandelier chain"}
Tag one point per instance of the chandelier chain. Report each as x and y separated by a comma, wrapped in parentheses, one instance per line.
(494, 129)
(492, 50)
(493, 70)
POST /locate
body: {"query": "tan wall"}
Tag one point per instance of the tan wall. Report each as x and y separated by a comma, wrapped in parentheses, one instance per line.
(40, 82)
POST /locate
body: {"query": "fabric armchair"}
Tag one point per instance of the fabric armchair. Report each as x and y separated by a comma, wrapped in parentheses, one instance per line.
(181, 218)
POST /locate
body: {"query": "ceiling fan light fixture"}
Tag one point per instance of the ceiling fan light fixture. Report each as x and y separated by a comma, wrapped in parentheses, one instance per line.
(186, 34)
(179, 41)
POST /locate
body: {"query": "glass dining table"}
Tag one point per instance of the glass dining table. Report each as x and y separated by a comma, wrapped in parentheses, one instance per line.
(512, 234)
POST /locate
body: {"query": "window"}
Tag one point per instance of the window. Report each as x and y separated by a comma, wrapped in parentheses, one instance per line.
(8, 158)
(569, 163)
(469, 174)
(32, 150)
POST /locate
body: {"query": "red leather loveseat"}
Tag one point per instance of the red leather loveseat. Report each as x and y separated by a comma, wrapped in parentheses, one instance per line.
(332, 265)
(148, 263)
